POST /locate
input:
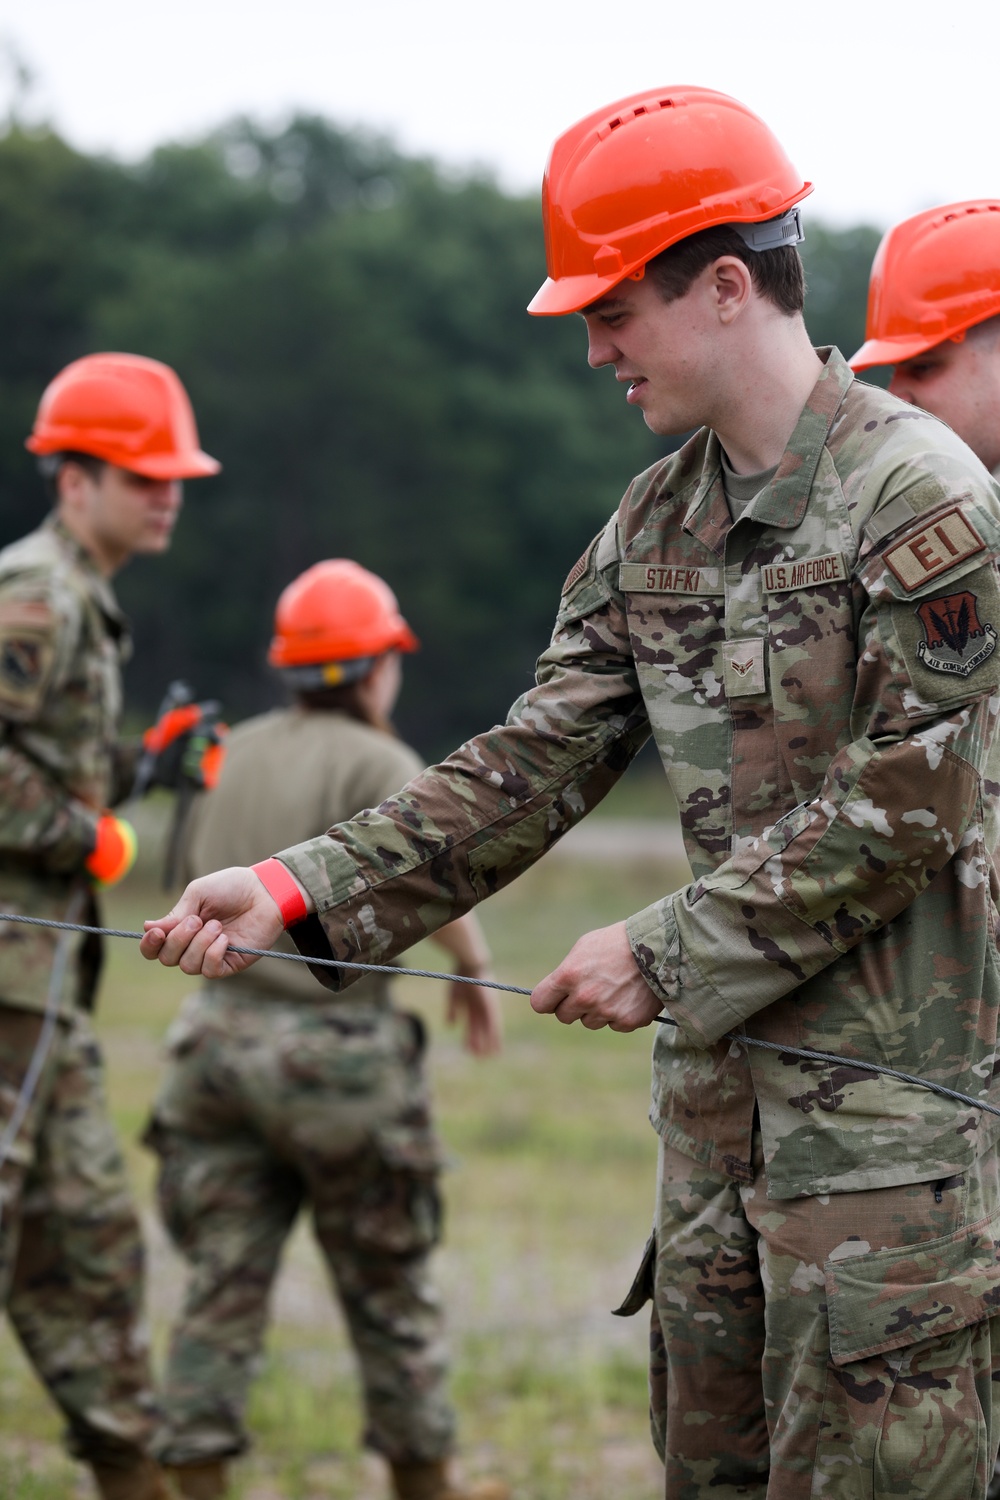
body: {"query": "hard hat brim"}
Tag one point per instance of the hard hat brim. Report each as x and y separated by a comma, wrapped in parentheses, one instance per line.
(893, 351)
(571, 294)
(196, 465)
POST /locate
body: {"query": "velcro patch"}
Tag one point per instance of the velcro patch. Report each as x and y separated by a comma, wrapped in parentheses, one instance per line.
(21, 660)
(669, 578)
(577, 571)
(955, 640)
(943, 544)
(804, 573)
(743, 668)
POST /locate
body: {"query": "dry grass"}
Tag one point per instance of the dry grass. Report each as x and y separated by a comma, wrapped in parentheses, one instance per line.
(549, 1201)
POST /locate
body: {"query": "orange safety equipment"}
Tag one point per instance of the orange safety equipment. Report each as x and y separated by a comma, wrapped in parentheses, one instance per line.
(131, 411)
(933, 277)
(338, 617)
(647, 171)
(114, 852)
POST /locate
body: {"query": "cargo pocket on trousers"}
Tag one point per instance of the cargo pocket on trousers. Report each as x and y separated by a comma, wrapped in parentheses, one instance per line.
(641, 1290)
(909, 1387)
(400, 1210)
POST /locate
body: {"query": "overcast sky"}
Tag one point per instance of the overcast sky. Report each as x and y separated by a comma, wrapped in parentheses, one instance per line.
(888, 106)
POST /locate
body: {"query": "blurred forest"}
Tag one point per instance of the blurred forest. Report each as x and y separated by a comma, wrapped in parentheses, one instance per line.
(350, 325)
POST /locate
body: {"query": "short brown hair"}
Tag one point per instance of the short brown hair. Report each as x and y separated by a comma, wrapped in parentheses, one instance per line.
(345, 699)
(777, 274)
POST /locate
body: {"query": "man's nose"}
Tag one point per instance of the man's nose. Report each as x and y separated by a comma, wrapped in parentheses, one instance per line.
(601, 348)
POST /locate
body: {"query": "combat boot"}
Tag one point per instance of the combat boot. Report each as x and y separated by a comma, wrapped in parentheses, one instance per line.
(432, 1482)
(205, 1481)
(141, 1480)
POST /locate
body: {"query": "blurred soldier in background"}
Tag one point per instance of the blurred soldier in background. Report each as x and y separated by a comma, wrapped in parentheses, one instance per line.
(115, 436)
(934, 314)
(278, 1099)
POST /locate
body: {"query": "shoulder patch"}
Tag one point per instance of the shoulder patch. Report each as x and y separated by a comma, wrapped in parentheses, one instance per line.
(21, 660)
(577, 571)
(947, 541)
(955, 640)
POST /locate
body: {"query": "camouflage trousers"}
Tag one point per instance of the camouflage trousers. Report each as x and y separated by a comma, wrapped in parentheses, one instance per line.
(71, 1256)
(840, 1347)
(270, 1107)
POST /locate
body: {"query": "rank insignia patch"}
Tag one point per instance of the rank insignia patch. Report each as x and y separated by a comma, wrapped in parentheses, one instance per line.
(21, 661)
(955, 640)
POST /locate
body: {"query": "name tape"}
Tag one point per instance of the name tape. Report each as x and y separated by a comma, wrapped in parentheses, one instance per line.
(804, 573)
(669, 578)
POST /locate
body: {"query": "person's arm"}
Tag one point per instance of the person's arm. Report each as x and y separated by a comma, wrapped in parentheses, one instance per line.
(462, 829)
(38, 816)
(476, 1008)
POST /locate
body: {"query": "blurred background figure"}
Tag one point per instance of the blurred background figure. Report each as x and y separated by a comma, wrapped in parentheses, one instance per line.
(278, 1097)
(114, 436)
(934, 314)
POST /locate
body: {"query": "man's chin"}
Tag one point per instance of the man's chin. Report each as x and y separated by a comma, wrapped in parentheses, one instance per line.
(150, 545)
(666, 425)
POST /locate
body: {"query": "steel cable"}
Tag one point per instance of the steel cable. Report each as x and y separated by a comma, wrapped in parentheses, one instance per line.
(782, 1048)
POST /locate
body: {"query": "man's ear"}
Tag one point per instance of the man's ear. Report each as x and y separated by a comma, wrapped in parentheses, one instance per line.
(731, 285)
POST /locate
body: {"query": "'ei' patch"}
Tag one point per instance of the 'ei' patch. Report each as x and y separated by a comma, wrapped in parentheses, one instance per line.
(955, 640)
(942, 545)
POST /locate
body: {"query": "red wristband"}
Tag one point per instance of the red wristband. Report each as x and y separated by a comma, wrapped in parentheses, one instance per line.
(278, 883)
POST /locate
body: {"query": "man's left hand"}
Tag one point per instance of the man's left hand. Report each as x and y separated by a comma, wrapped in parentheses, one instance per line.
(598, 983)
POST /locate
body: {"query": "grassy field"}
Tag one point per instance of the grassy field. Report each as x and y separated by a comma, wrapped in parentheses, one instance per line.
(549, 1202)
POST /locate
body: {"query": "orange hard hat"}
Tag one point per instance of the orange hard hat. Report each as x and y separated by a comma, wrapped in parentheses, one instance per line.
(339, 617)
(647, 171)
(933, 276)
(128, 410)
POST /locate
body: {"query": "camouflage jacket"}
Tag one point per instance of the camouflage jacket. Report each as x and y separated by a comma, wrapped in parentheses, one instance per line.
(820, 678)
(62, 640)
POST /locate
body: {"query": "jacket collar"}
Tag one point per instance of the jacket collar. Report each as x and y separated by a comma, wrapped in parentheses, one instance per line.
(98, 586)
(783, 502)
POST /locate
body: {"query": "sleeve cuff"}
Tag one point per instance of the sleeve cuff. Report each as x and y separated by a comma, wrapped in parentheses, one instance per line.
(325, 869)
(696, 1006)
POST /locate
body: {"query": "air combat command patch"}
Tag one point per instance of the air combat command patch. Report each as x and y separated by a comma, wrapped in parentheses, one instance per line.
(955, 640)
(21, 661)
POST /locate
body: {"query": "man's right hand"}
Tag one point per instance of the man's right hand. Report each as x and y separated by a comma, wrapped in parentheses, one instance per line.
(231, 906)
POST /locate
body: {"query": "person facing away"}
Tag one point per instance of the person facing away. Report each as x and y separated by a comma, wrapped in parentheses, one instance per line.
(801, 607)
(934, 315)
(278, 1098)
(115, 436)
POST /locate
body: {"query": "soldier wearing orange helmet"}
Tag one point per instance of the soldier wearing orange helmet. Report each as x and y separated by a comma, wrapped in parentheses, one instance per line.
(934, 314)
(802, 608)
(279, 1099)
(115, 437)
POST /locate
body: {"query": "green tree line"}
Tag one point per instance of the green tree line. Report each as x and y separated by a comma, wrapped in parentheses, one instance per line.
(350, 325)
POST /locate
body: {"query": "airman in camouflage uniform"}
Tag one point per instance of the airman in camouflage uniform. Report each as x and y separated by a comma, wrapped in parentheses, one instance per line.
(279, 1100)
(71, 1257)
(934, 315)
(802, 607)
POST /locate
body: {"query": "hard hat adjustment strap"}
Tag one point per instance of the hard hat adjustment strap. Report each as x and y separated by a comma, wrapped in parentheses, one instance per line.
(773, 233)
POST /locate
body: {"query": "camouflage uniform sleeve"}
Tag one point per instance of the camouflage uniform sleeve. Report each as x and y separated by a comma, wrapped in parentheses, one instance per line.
(37, 815)
(124, 764)
(899, 801)
(462, 829)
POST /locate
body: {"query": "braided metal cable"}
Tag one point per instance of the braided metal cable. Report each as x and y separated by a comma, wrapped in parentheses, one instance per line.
(515, 989)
